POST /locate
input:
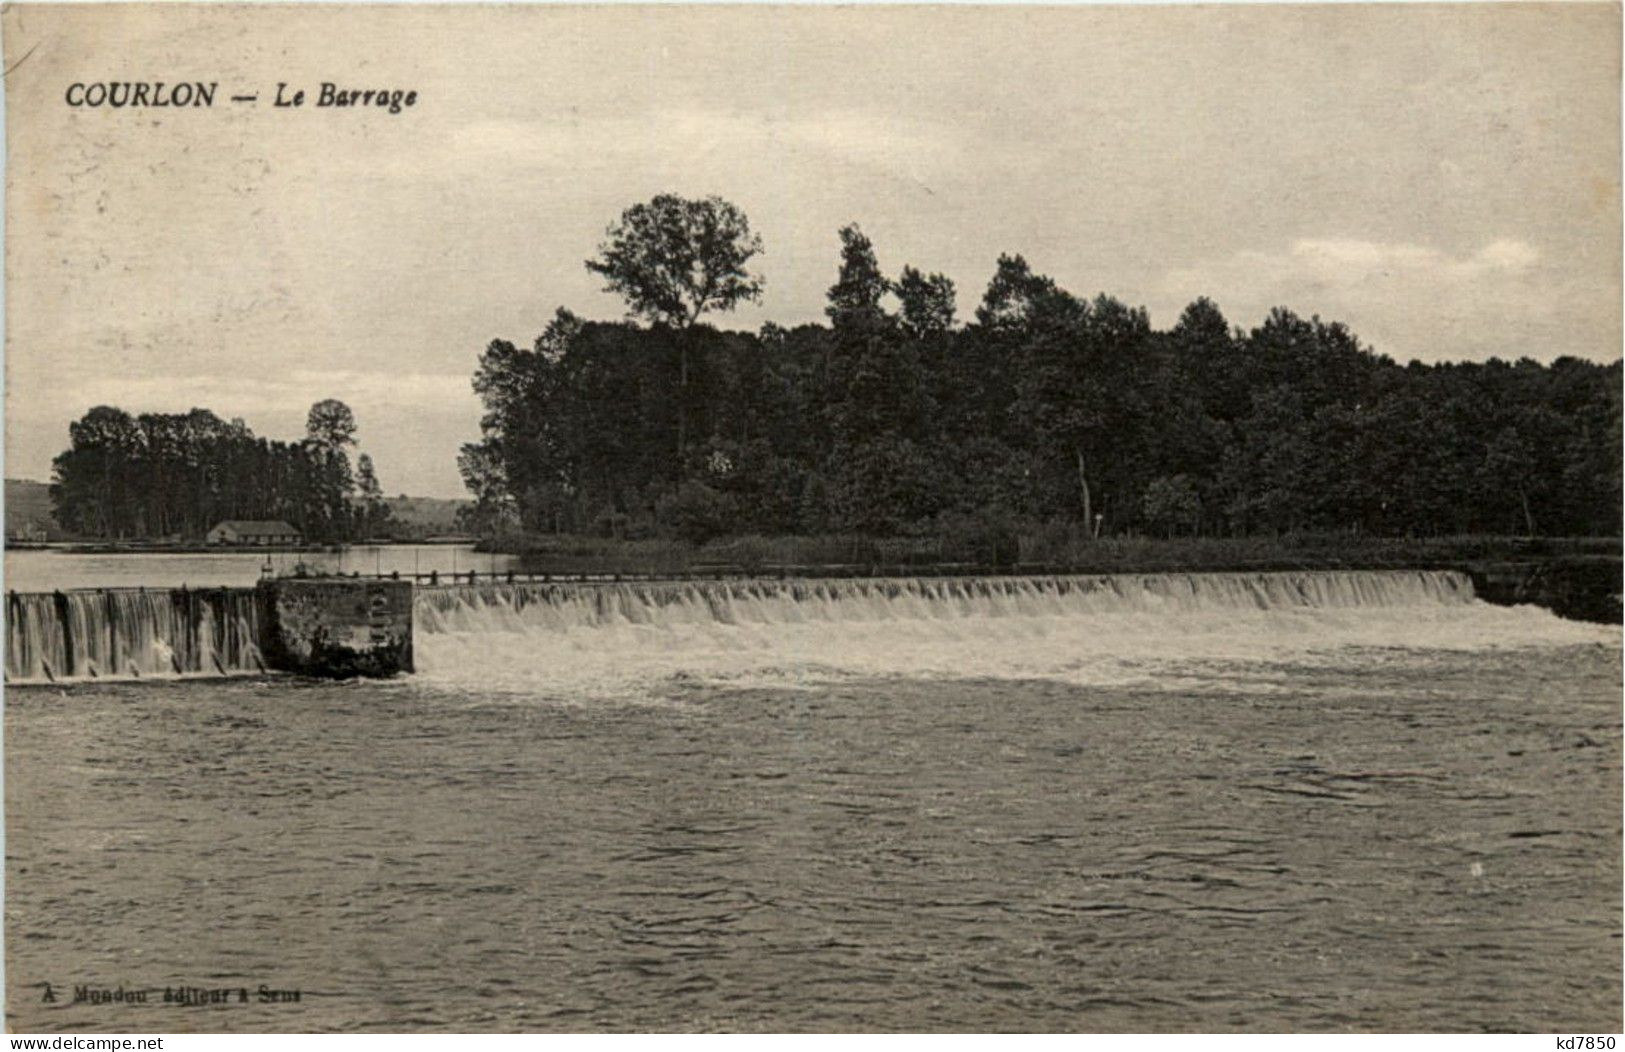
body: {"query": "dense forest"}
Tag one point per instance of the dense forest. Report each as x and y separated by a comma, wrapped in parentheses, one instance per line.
(894, 419)
(897, 419)
(175, 475)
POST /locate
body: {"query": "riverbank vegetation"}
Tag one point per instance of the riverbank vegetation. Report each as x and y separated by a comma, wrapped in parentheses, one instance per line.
(1048, 549)
(175, 475)
(1048, 423)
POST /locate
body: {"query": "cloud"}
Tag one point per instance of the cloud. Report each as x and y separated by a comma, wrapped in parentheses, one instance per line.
(1408, 299)
(1346, 263)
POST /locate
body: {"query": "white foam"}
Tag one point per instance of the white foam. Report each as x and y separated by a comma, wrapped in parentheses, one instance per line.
(618, 639)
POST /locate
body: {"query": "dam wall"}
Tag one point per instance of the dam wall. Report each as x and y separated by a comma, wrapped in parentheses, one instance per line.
(129, 633)
(316, 627)
(563, 606)
(344, 627)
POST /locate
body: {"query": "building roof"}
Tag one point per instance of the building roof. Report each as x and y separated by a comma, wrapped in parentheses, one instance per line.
(255, 526)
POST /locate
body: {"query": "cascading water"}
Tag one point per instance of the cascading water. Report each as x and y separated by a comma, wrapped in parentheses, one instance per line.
(586, 639)
(131, 633)
(562, 606)
(596, 638)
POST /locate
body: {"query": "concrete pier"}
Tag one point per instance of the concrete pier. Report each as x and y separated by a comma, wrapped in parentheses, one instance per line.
(337, 628)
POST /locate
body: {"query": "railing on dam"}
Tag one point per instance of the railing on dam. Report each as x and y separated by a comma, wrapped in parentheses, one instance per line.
(719, 572)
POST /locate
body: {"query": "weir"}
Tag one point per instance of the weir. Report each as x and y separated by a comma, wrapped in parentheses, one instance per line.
(130, 633)
(348, 626)
(518, 606)
(323, 627)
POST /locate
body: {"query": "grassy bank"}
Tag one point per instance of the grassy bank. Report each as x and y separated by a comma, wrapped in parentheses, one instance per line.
(1040, 550)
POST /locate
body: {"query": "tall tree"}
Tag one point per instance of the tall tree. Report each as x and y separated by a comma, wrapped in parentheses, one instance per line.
(673, 259)
(863, 387)
(928, 302)
(329, 433)
(854, 299)
(1016, 296)
(374, 512)
(331, 424)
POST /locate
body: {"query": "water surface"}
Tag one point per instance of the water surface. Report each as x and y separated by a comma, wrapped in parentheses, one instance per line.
(50, 569)
(1398, 810)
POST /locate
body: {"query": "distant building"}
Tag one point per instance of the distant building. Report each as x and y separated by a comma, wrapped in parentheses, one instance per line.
(254, 533)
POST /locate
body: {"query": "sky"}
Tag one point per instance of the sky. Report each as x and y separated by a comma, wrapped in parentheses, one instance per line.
(1444, 179)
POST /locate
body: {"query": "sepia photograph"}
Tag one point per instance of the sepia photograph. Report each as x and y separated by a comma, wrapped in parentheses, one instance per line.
(671, 519)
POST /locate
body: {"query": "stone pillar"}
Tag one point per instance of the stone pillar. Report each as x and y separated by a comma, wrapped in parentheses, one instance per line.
(337, 628)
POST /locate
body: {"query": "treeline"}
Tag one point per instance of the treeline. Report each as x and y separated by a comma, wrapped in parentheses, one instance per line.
(175, 475)
(894, 420)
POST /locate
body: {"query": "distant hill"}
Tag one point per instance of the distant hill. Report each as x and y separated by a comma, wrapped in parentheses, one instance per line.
(28, 511)
(424, 516)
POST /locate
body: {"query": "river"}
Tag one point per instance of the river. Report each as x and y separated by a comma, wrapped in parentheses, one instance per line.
(1319, 802)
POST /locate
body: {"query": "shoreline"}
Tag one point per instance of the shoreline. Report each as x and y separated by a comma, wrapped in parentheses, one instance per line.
(155, 548)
